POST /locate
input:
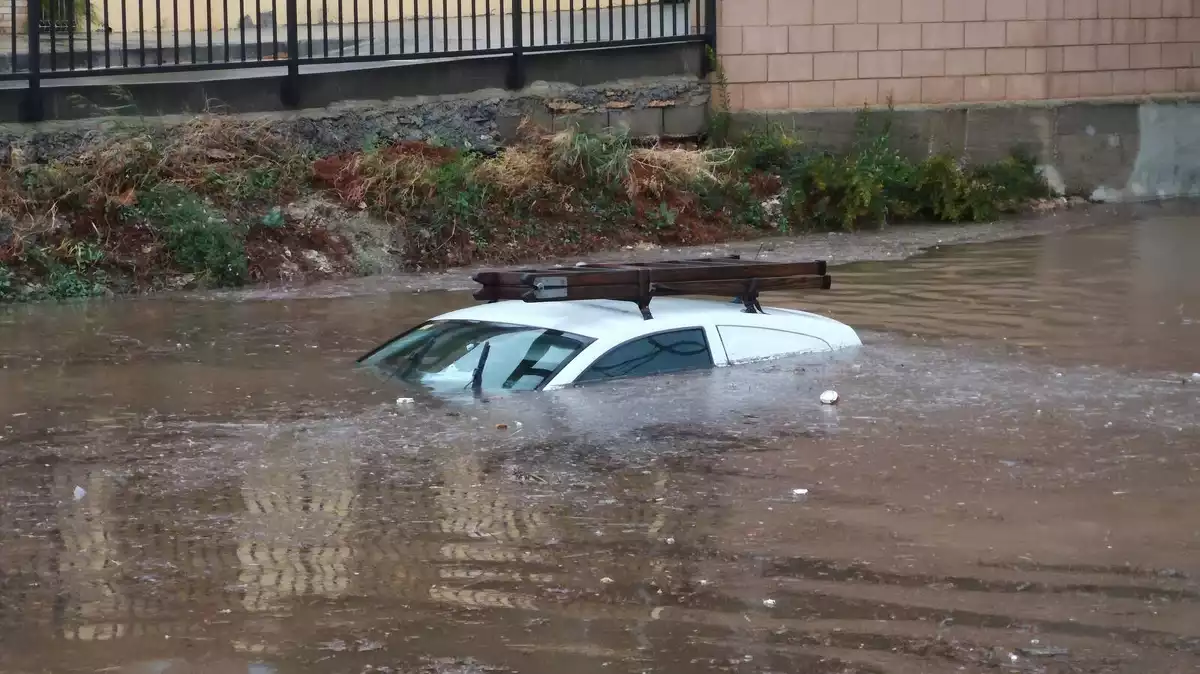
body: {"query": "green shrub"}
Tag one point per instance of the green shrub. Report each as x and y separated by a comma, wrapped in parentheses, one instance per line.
(199, 239)
(1016, 180)
(7, 284)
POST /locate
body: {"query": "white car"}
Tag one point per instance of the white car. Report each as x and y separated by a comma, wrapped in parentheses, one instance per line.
(529, 346)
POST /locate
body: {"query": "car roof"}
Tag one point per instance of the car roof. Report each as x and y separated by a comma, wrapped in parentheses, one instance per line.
(595, 318)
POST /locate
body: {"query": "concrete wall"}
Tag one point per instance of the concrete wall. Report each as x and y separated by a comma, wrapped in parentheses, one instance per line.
(797, 54)
(1112, 150)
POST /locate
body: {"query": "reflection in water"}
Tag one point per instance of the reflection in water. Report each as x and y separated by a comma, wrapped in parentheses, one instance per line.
(251, 505)
(1124, 296)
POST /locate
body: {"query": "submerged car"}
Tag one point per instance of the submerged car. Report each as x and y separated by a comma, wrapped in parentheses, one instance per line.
(590, 323)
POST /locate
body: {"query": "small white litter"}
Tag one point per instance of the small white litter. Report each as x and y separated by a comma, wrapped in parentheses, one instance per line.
(830, 398)
(769, 603)
(404, 401)
(607, 581)
(80, 492)
(799, 492)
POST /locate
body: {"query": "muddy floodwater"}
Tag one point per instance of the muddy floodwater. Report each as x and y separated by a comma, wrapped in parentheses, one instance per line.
(1009, 484)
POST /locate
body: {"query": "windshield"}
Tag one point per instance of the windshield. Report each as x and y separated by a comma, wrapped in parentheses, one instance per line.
(447, 353)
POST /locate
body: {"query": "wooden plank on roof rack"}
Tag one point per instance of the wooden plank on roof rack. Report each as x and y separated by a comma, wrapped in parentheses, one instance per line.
(594, 275)
(634, 292)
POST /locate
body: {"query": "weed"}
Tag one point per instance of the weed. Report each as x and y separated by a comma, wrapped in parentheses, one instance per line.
(601, 160)
(7, 282)
(273, 219)
(64, 282)
(199, 239)
(720, 119)
(663, 217)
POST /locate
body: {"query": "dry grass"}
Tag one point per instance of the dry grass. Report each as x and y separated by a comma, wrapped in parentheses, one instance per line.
(213, 154)
(517, 169)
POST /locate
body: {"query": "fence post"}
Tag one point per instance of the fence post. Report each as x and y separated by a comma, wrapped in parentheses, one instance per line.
(710, 36)
(516, 64)
(31, 108)
(290, 91)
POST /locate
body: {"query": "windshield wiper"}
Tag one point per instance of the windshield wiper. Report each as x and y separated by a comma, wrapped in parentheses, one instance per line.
(477, 375)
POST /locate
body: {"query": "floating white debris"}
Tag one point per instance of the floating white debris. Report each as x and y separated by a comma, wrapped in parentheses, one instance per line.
(607, 581)
(580, 264)
(830, 398)
(769, 603)
(404, 401)
(80, 492)
(1196, 375)
(799, 492)
(670, 541)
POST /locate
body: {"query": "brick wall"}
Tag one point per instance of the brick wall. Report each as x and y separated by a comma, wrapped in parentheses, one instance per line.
(795, 54)
(7, 22)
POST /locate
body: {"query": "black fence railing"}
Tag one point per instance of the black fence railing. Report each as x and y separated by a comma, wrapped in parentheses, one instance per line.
(92, 38)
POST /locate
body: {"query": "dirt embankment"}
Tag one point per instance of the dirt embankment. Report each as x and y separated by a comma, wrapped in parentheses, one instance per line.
(227, 202)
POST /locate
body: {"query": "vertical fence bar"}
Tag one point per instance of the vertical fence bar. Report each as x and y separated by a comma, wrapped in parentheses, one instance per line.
(124, 35)
(612, 14)
(516, 65)
(445, 25)
(31, 108)
(291, 83)
(371, 25)
(87, 32)
(429, 6)
(53, 37)
(387, 43)
(416, 26)
(459, 9)
(662, 19)
(710, 36)
(325, 28)
(13, 34)
(142, 32)
(258, 50)
(69, 24)
(157, 32)
(475, 25)
(487, 27)
(557, 22)
(242, 27)
(354, 33)
(192, 30)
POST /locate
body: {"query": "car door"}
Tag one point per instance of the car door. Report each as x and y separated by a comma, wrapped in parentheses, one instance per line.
(674, 350)
(747, 343)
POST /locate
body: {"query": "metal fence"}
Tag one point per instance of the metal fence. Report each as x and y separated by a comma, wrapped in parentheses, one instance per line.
(91, 38)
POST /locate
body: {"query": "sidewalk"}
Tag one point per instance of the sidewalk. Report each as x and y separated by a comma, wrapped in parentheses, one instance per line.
(427, 37)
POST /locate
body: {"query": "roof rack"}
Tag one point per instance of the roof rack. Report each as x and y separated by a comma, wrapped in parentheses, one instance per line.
(639, 282)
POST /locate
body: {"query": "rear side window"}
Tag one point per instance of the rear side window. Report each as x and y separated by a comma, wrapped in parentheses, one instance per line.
(657, 354)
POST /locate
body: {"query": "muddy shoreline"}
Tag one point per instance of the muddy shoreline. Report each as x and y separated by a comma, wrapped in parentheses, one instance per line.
(889, 244)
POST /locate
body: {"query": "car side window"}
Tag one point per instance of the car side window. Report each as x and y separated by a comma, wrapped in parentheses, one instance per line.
(674, 351)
